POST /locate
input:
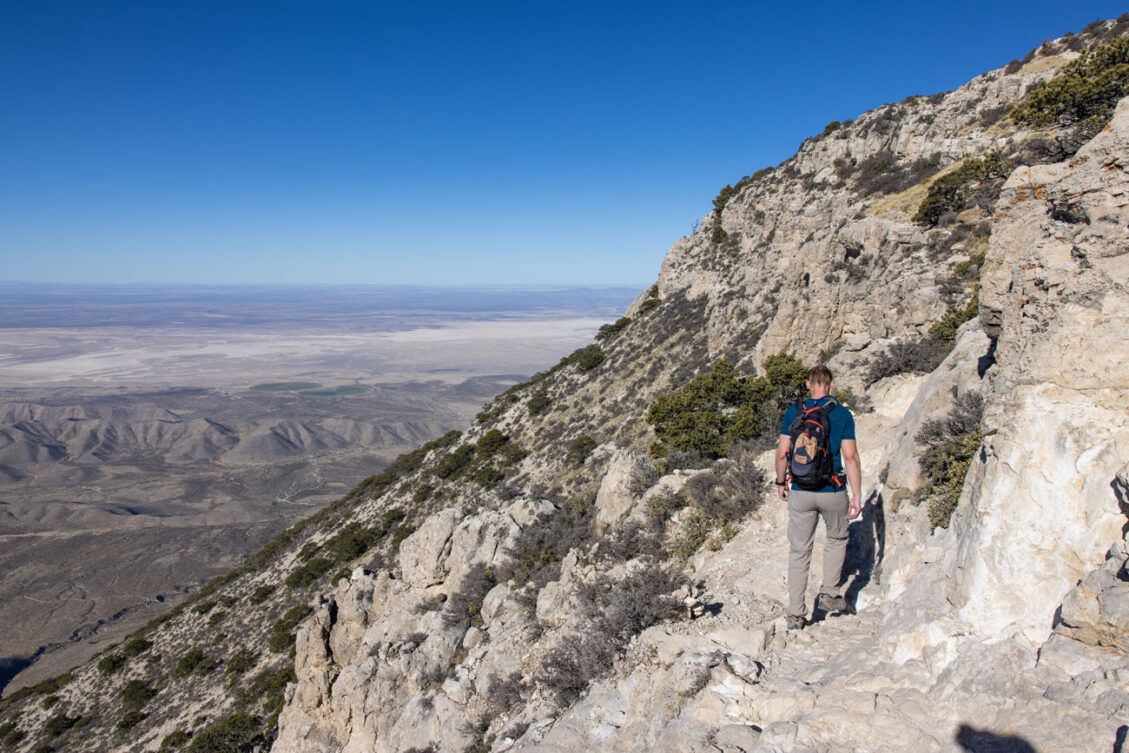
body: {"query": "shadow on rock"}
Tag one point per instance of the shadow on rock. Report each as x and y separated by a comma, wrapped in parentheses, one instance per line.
(974, 740)
(866, 548)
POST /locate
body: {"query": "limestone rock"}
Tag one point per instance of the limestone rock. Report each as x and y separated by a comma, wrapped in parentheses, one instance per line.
(628, 475)
(423, 555)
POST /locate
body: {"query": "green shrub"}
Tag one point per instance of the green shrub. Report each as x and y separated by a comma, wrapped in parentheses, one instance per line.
(407, 463)
(282, 632)
(538, 402)
(579, 449)
(10, 734)
(241, 661)
(266, 689)
(713, 411)
(111, 663)
(976, 182)
(831, 127)
(47, 686)
(611, 330)
(136, 693)
(718, 234)
(490, 443)
(136, 646)
(174, 740)
(696, 528)
(238, 733)
(587, 358)
(59, 724)
(203, 607)
(950, 445)
(651, 299)
(262, 593)
(49, 701)
(944, 330)
(452, 465)
(488, 476)
(401, 533)
(129, 720)
(728, 192)
(193, 661)
(308, 572)
(1084, 92)
(352, 541)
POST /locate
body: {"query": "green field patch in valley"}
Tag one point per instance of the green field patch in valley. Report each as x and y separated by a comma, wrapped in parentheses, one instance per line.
(346, 389)
(285, 386)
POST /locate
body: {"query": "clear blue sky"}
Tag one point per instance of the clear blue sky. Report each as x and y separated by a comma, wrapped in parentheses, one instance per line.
(431, 142)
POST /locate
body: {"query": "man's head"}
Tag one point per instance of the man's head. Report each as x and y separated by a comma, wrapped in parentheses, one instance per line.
(819, 381)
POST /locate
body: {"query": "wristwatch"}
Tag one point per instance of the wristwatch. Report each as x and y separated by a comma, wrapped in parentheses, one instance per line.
(782, 483)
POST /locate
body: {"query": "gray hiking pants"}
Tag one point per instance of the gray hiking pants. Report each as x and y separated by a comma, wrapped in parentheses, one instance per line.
(804, 510)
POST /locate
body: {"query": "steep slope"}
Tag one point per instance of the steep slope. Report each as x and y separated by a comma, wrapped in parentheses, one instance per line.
(526, 584)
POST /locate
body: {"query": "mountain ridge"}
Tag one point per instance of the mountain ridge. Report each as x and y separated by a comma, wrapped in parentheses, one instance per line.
(466, 575)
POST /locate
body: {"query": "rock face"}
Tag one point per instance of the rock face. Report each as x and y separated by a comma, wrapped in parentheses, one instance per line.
(1043, 510)
(528, 589)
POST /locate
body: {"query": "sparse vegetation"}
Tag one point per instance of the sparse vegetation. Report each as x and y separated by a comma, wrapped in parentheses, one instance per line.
(60, 723)
(282, 632)
(308, 572)
(129, 720)
(587, 358)
(728, 192)
(715, 410)
(266, 689)
(919, 356)
(452, 465)
(609, 331)
(238, 733)
(43, 688)
(465, 605)
(539, 548)
(175, 740)
(976, 182)
(1083, 94)
(579, 449)
(240, 662)
(136, 693)
(261, 593)
(614, 612)
(194, 661)
(949, 446)
(111, 663)
(538, 402)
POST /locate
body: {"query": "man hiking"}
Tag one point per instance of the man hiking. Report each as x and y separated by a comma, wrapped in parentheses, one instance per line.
(816, 444)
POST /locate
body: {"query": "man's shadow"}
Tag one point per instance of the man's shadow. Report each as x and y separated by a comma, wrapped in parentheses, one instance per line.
(866, 549)
(973, 740)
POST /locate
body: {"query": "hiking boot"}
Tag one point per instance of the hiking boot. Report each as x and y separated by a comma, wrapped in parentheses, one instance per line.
(831, 603)
(795, 622)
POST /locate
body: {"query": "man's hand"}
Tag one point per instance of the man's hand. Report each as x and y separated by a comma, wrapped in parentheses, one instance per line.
(854, 508)
(782, 490)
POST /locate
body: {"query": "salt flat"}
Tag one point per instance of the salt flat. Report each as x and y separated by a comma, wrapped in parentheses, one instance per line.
(151, 437)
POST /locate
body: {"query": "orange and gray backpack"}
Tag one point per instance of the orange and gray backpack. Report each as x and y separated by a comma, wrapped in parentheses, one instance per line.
(809, 461)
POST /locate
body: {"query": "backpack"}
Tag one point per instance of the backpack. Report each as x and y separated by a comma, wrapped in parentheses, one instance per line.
(809, 460)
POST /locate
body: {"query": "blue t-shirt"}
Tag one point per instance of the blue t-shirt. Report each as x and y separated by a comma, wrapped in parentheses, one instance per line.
(842, 427)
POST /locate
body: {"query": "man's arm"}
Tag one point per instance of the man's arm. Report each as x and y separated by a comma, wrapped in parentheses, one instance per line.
(783, 445)
(853, 467)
